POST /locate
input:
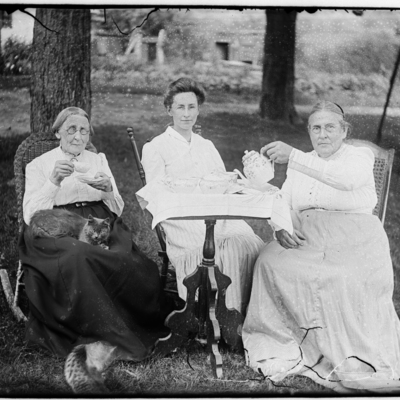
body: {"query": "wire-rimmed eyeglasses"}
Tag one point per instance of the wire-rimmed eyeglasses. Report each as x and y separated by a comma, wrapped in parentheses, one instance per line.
(72, 130)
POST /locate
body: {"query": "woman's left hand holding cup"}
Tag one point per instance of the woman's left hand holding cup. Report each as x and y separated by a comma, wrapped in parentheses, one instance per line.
(104, 184)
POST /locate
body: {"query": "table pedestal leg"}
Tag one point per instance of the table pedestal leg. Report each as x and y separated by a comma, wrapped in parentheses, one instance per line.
(182, 322)
(213, 315)
(230, 319)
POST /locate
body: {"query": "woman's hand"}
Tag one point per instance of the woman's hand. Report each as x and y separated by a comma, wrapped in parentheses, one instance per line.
(289, 241)
(62, 169)
(277, 151)
(104, 184)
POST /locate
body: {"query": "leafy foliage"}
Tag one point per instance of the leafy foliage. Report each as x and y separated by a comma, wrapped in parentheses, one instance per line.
(128, 19)
(16, 57)
(125, 75)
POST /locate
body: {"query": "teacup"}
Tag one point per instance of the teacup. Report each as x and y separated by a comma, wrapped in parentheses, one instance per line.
(81, 167)
(183, 185)
(214, 184)
(231, 177)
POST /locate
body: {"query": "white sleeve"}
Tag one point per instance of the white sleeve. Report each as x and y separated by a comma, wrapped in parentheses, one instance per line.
(113, 199)
(40, 192)
(153, 163)
(216, 157)
(286, 192)
(287, 188)
(347, 173)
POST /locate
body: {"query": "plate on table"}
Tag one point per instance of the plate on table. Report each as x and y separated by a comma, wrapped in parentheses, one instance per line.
(247, 188)
(234, 188)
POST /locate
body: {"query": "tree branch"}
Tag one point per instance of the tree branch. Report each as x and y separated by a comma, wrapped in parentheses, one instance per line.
(139, 26)
(44, 26)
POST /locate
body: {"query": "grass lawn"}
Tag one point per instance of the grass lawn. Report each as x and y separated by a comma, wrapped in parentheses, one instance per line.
(234, 126)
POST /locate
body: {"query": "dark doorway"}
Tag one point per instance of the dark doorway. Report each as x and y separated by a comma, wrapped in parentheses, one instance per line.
(222, 50)
(152, 51)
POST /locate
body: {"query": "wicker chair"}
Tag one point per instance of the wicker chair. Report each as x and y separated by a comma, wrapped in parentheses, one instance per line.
(32, 147)
(382, 173)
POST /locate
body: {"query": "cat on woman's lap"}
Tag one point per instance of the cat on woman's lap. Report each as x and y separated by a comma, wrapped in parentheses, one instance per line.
(59, 223)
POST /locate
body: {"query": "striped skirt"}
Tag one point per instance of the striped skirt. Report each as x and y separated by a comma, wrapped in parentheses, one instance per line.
(236, 250)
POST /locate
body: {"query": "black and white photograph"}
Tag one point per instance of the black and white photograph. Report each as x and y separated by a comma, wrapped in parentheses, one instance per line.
(199, 199)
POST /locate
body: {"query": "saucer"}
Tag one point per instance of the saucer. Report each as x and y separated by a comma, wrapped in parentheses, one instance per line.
(88, 179)
(267, 188)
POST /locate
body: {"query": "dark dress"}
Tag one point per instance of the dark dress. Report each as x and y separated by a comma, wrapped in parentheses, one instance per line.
(79, 293)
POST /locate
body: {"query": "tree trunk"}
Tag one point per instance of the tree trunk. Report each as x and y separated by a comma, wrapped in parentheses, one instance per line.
(60, 65)
(1, 51)
(277, 92)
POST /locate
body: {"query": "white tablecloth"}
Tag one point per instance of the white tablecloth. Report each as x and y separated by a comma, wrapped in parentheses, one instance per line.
(163, 204)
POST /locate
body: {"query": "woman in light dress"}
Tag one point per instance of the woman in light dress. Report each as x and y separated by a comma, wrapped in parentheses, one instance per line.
(180, 153)
(321, 303)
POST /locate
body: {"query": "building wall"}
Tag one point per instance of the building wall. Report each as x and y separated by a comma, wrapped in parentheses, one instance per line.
(226, 34)
(21, 27)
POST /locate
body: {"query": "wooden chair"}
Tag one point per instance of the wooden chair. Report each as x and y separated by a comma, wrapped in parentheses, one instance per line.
(382, 173)
(159, 230)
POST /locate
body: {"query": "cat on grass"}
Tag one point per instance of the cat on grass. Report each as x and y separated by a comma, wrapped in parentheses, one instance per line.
(59, 223)
(86, 365)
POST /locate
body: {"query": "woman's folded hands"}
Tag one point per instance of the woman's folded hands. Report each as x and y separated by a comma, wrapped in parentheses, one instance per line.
(289, 241)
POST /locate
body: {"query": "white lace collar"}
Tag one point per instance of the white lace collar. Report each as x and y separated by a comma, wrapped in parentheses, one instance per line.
(338, 153)
(172, 132)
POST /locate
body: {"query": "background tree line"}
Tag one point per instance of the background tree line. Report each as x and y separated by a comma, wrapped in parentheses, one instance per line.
(281, 52)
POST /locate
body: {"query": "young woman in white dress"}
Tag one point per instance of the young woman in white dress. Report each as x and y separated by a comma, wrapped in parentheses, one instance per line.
(180, 153)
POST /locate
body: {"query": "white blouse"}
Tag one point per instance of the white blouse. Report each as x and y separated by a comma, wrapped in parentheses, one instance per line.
(41, 193)
(171, 154)
(342, 182)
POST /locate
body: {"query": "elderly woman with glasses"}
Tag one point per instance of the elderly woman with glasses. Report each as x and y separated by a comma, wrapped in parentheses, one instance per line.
(321, 303)
(51, 180)
(100, 304)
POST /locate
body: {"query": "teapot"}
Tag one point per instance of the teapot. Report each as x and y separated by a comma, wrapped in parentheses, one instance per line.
(257, 168)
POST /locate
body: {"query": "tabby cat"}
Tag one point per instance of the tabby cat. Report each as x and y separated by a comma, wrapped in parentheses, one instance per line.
(60, 223)
(85, 367)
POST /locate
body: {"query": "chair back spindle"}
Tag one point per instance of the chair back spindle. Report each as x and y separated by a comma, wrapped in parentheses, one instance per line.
(136, 155)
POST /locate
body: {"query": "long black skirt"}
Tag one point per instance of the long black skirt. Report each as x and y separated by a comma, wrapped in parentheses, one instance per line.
(79, 293)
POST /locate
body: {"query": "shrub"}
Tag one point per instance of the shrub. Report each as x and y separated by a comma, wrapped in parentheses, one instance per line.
(154, 79)
(347, 45)
(16, 57)
(9, 146)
